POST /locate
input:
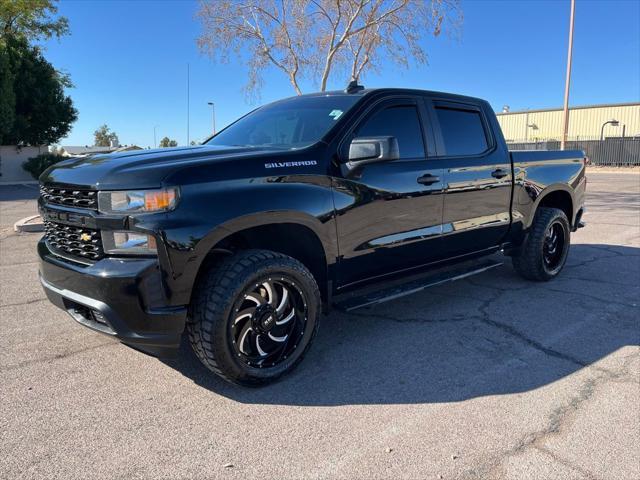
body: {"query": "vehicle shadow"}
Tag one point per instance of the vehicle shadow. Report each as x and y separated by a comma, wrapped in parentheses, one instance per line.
(10, 193)
(492, 334)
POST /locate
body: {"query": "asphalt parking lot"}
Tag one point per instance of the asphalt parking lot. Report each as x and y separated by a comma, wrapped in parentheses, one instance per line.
(491, 377)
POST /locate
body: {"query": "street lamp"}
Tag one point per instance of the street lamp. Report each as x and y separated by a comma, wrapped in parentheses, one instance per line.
(213, 116)
(567, 81)
(613, 122)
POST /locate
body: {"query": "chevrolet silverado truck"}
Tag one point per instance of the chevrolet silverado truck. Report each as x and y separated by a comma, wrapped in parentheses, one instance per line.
(243, 241)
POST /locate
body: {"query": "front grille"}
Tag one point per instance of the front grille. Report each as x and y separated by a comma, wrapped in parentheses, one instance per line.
(70, 197)
(76, 241)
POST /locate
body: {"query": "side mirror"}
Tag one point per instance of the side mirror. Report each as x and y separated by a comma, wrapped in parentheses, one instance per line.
(366, 150)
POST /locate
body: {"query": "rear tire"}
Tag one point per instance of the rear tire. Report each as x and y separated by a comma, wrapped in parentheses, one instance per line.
(544, 251)
(253, 316)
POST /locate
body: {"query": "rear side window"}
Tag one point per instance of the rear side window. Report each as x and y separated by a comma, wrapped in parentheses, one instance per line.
(401, 122)
(462, 131)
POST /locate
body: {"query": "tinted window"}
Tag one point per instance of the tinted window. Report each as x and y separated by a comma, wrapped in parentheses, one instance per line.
(401, 122)
(292, 123)
(462, 131)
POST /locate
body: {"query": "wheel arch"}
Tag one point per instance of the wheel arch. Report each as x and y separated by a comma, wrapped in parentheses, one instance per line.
(295, 234)
(555, 196)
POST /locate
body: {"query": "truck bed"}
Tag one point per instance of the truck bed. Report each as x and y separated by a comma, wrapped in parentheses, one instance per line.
(561, 156)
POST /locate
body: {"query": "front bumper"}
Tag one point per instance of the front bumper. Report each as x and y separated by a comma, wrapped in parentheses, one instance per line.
(120, 297)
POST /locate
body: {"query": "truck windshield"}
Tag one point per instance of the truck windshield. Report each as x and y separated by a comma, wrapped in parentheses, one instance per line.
(292, 123)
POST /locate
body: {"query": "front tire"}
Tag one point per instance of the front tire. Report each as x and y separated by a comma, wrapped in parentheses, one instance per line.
(253, 316)
(545, 250)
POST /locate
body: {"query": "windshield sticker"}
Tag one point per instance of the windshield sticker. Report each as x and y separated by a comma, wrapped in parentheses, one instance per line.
(336, 114)
(304, 163)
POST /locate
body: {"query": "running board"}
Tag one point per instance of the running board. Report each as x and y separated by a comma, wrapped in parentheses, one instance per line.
(413, 286)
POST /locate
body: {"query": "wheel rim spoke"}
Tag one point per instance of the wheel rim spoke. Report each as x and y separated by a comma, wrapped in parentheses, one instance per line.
(287, 318)
(283, 301)
(267, 292)
(243, 315)
(271, 291)
(243, 338)
(258, 348)
(257, 299)
(277, 339)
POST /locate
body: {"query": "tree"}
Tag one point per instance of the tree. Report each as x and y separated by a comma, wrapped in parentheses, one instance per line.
(7, 95)
(165, 142)
(317, 38)
(38, 164)
(103, 136)
(34, 109)
(31, 20)
(33, 106)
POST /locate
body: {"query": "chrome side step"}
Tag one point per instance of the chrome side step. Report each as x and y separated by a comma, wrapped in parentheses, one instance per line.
(414, 286)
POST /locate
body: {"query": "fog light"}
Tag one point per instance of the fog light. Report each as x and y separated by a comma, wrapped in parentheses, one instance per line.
(128, 243)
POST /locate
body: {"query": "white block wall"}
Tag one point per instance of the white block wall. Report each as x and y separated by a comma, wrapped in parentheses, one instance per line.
(11, 160)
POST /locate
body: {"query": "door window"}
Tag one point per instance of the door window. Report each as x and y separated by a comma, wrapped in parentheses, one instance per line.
(400, 121)
(462, 131)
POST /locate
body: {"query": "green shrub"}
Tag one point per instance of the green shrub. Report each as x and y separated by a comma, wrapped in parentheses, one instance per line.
(36, 165)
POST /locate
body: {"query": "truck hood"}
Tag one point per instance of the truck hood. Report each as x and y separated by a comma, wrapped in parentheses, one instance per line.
(149, 168)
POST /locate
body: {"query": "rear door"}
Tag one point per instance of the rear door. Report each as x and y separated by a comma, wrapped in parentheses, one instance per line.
(477, 176)
(390, 214)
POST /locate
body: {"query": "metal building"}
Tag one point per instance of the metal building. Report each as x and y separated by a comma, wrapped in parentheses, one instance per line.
(585, 123)
(608, 134)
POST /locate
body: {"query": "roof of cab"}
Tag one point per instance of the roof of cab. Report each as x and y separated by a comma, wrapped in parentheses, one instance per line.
(395, 91)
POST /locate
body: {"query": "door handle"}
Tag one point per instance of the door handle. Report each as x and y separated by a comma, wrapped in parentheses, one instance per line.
(428, 179)
(499, 173)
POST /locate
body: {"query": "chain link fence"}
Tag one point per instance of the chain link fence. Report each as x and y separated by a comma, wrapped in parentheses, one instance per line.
(612, 151)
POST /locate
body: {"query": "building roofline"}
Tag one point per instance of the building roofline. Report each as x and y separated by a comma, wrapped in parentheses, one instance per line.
(579, 107)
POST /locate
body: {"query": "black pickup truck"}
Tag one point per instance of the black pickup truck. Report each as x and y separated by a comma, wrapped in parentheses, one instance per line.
(244, 240)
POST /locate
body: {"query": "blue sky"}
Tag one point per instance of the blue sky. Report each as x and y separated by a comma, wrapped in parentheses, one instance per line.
(128, 61)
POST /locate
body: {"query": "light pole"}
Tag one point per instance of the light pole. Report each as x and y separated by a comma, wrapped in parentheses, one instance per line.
(213, 116)
(188, 86)
(155, 142)
(567, 82)
(613, 122)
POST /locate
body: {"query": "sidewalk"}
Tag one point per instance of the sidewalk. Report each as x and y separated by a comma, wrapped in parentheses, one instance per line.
(627, 170)
(16, 202)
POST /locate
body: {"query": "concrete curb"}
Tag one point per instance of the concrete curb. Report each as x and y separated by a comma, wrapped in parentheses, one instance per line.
(29, 224)
(626, 170)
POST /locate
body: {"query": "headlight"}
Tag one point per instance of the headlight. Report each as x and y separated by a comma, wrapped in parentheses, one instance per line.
(138, 201)
(128, 243)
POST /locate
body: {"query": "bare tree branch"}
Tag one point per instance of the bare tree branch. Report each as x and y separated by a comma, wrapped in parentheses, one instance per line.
(316, 40)
(335, 47)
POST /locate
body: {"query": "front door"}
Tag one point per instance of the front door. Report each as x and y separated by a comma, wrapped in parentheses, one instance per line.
(389, 216)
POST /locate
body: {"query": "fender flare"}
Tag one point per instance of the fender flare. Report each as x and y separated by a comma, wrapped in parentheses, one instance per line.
(218, 233)
(257, 219)
(556, 187)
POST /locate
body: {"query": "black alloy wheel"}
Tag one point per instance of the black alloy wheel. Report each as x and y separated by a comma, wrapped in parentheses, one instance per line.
(553, 248)
(269, 320)
(253, 316)
(544, 252)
